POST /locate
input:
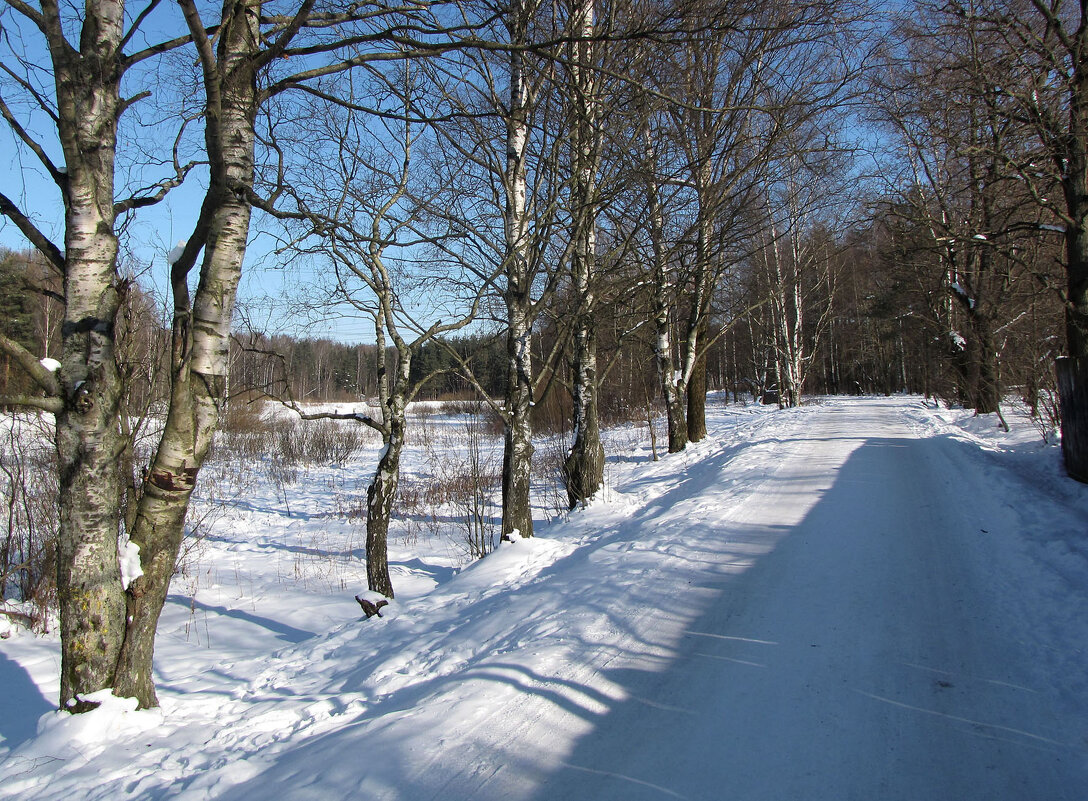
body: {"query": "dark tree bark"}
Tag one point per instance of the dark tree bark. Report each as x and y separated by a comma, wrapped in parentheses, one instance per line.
(696, 413)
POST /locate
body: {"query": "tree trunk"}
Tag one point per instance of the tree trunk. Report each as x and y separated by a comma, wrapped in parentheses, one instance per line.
(672, 386)
(987, 390)
(1073, 395)
(584, 466)
(670, 379)
(1076, 247)
(380, 496)
(517, 518)
(696, 416)
(1073, 166)
(1075, 190)
(87, 434)
(201, 347)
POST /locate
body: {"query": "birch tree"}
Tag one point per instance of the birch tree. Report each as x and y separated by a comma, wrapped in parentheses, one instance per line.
(507, 153)
(741, 91)
(584, 465)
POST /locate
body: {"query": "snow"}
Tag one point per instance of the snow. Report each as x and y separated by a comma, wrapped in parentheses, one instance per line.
(859, 598)
(175, 253)
(128, 559)
(957, 287)
(52, 365)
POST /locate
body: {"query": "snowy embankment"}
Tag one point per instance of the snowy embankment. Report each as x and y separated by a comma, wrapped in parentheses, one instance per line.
(858, 599)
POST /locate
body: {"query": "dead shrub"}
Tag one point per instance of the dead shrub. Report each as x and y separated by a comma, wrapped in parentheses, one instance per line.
(550, 475)
(468, 485)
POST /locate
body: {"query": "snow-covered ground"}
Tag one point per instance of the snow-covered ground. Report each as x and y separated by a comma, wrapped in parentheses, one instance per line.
(858, 599)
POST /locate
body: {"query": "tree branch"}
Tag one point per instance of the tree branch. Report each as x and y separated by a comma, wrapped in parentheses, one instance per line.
(44, 403)
(44, 245)
(59, 178)
(31, 365)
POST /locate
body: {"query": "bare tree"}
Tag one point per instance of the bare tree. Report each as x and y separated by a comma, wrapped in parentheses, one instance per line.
(1046, 43)
(364, 205)
(501, 133)
(960, 147)
(736, 97)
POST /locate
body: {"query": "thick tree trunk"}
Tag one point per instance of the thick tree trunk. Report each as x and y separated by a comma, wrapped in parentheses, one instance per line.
(672, 384)
(696, 416)
(87, 433)
(670, 379)
(90, 596)
(517, 517)
(584, 466)
(1073, 164)
(1073, 395)
(673, 392)
(1076, 245)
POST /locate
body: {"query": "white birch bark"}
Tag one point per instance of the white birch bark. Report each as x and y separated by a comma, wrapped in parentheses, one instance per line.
(201, 339)
(517, 516)
(87, 434)
(704, 278)
(671, 380)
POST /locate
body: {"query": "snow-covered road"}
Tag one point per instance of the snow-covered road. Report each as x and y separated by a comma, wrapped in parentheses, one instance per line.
(878, 650)
(845, 601)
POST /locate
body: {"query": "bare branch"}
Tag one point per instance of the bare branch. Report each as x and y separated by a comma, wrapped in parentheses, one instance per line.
(44, 403)
(59, 178)
(44, 245)
(31, 366)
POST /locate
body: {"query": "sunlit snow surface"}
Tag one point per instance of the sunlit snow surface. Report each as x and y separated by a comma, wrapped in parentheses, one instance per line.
(861, 598)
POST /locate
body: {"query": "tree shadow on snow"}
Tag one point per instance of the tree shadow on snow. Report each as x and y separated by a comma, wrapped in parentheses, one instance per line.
(21, 705)
(281, 630)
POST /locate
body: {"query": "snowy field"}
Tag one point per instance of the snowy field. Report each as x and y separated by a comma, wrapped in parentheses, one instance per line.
(858, 599)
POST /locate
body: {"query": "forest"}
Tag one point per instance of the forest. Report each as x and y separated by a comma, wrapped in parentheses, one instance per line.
(572, 213)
